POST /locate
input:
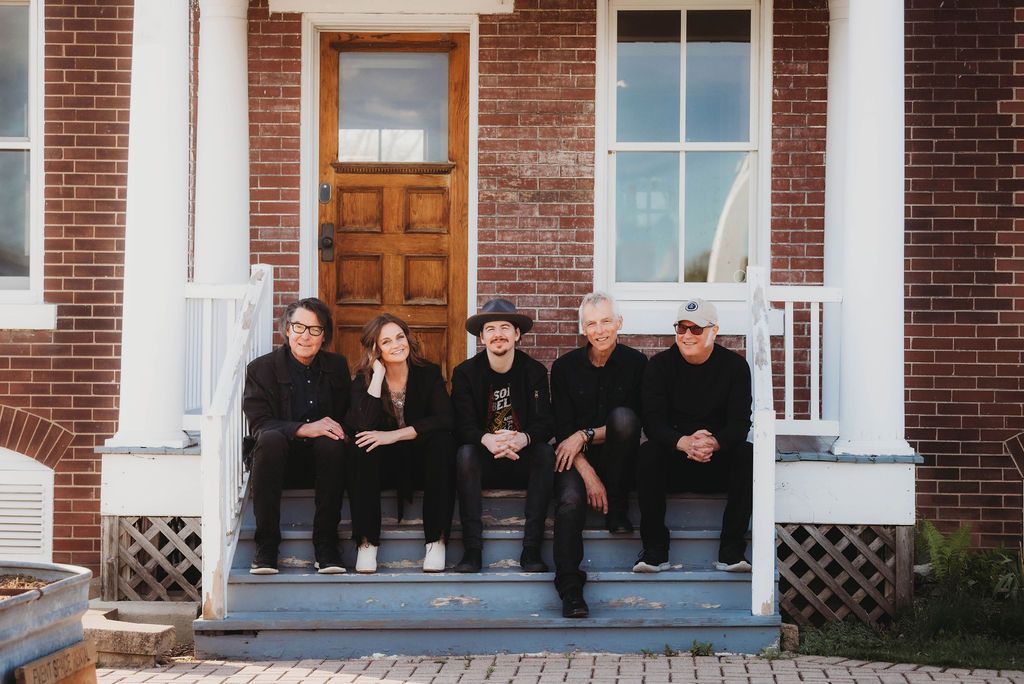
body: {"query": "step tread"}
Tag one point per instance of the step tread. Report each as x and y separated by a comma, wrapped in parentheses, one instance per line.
(303, 575)
(484, 619)
(414, 531)
(513, 494)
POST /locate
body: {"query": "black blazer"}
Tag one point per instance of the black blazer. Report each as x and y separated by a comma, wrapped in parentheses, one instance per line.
(427, 405)
(530, 398)
(267, 401)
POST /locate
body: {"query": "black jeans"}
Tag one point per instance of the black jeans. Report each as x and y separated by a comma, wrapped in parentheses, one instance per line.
(615, 459)
(570, 517)
(477, 468)
(422, 464)
(279, 463)
(661, 470)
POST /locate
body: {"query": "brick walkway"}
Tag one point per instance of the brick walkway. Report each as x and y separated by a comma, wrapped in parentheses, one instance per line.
(542, 669)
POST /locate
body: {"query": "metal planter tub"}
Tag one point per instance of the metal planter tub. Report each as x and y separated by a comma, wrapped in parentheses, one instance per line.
(41, 621)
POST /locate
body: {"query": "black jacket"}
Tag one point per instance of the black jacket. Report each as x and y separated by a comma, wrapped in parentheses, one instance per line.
(530, 399)
(267, 402)
(427, 405)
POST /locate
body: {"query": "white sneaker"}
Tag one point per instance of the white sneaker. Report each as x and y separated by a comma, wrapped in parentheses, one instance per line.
(366, 561)
(434, 559)
(739, 566)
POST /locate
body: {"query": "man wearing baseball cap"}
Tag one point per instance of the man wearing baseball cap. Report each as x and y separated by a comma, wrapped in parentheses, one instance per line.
(696, 414)
(503, 421)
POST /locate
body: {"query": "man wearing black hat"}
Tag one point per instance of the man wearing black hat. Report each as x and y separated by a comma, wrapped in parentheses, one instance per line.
(696, 411)
(503, 421)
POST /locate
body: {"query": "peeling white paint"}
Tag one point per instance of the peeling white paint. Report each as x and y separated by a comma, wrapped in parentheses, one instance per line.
(293, 562)
(711, 605)
(635, 602)
(401, 564)
(444, 601)
(504, 563)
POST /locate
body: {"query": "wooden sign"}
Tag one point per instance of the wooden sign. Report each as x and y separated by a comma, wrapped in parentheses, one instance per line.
(72, 665)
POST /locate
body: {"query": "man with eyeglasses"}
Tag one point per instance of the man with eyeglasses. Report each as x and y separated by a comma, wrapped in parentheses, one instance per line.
(696, 400)
(295, 398)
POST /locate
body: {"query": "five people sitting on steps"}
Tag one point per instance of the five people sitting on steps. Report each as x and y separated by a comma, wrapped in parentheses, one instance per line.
(394, 427)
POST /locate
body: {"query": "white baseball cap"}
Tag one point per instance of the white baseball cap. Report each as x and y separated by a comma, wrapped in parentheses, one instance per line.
(701, 312)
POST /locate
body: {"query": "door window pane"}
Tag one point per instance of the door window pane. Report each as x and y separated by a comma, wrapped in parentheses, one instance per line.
(647, 76)
(717, 215)
(393, 107)
(14, 242)
(718, 76)
(14, 29)
(647, 217)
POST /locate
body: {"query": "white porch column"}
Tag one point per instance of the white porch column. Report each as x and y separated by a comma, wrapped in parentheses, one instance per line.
(864, 221)
(156, 223)
(222, 144)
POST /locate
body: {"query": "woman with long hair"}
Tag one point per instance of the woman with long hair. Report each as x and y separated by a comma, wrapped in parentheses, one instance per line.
(401, 419)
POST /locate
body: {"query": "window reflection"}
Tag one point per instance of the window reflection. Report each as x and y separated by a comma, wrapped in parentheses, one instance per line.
(647, 217)
(718, 76)
(14, 29)
(393, 107)
(717, 216)
(647, 76)
(14, 228)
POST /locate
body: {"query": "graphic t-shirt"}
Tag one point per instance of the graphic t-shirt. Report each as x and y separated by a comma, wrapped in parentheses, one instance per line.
(500, 414)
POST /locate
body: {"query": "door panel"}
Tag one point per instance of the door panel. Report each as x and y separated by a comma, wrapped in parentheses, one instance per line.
(399, 228)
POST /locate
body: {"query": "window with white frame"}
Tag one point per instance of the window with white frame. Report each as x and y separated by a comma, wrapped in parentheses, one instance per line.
(20, 147)
(681, 137)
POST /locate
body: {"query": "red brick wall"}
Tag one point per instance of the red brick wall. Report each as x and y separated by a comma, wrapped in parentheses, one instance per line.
(70, 376)
(965, 377)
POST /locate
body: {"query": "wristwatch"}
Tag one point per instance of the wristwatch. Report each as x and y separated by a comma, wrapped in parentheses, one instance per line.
(589, 434)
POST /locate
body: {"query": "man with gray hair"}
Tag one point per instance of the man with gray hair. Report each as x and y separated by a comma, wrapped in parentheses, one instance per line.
(595, 395)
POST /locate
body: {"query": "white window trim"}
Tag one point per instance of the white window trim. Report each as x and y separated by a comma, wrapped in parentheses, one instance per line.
(648, 308)
(309, 129)
(24, 309)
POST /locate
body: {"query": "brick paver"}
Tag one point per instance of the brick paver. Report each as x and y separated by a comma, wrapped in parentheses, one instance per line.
(544, 669)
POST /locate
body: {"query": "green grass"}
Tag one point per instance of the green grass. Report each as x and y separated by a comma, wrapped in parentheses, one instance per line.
(948, 631)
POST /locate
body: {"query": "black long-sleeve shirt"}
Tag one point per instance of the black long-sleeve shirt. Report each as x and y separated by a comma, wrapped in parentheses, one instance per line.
(582, 394)
(680, 398)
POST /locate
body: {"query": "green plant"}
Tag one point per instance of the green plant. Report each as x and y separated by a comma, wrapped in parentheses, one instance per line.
(647, 653)
(670, 652)
(771, 653)
(701, 648)
(1009, 579)
(949, 556)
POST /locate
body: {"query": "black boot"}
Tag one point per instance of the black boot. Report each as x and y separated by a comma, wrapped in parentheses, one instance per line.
(472, 561)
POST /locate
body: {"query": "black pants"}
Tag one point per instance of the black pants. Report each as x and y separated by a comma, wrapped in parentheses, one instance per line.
(279, 463)
(422, 464)
(661, 470)
(477, 468)
(615, 459)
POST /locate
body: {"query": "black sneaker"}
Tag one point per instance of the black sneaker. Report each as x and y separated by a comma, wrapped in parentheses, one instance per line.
(573, 605)
(472, 561)
(651, 560)
(618, 522)
(265, 561)
(530, 560)
(328, 560)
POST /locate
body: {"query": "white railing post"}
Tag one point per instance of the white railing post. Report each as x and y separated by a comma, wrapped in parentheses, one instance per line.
(224, 480)
(762, 555)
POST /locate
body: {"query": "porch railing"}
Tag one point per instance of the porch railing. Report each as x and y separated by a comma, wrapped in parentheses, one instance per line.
(222, 428)
(210, 315)
(762, 524)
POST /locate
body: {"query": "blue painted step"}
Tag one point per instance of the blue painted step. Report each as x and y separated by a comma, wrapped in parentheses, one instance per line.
(269, 635)
(384, 593)
(403, 547)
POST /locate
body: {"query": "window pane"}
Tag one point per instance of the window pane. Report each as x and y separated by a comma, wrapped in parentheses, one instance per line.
(13, 220)
(647, 72)
(718, 76)
(393, 106)
(717, 216)
(647, 217)
(13, 71)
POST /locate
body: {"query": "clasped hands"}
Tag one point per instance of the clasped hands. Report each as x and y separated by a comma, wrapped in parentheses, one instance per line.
(699, 446)
(505, 443)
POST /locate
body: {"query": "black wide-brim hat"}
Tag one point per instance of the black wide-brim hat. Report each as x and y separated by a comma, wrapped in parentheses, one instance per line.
(498, 310)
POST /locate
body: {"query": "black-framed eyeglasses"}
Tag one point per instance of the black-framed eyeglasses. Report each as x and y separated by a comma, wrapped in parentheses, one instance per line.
(299, 328)
(695, 330)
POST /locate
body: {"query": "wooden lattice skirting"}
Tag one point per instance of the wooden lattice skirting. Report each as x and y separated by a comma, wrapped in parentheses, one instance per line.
(830, 572)
(151, 558)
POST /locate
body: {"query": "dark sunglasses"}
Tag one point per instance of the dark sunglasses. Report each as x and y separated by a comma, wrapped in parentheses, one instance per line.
(695, 330)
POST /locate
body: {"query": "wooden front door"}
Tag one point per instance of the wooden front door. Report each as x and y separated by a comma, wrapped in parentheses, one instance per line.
(393, 210)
